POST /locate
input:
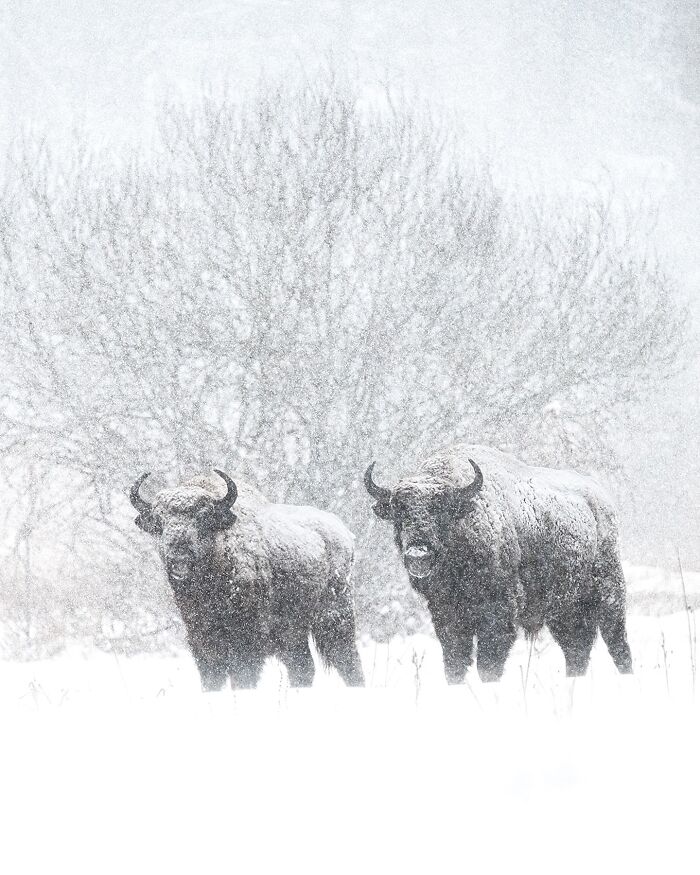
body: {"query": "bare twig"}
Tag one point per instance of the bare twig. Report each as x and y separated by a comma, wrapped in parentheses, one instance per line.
(690, 621)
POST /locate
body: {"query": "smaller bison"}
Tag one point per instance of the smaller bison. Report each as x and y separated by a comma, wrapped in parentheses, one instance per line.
(495, 545)
(254, 583)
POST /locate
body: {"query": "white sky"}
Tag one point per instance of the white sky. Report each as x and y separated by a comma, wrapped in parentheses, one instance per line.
(554, 89)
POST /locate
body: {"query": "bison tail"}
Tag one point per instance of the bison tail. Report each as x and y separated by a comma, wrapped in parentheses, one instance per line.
(333, 632)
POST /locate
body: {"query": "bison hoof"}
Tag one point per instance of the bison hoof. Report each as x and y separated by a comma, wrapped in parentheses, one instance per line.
(489, 677)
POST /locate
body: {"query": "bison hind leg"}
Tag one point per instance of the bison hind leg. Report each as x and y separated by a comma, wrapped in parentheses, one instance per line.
(614, 632)
(576, 636)
(611, 616)
(333, 632)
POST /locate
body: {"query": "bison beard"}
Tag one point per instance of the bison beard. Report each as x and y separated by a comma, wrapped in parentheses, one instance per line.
(516, 547)
(255, 583)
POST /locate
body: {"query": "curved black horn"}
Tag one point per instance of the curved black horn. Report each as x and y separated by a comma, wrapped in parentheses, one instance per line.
(478, 480)
(380, 493)
(462, 495)
(141, 505)
(231, 489)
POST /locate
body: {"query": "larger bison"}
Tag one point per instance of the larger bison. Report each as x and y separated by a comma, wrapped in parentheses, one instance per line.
(254, 583)
(494, 545)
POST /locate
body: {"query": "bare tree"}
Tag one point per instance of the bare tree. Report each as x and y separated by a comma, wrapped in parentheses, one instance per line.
(296, 285)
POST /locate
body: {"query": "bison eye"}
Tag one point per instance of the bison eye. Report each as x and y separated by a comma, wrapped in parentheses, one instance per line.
(400, 512)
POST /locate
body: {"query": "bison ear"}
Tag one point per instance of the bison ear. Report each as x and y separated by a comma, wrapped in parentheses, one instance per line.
(225, 520)
(149, 524)
(383, 510)
(219, 519)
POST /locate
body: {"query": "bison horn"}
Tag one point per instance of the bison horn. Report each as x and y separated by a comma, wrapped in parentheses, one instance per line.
(231, 489)
(379, 493)
(478, 480)
(461, 497)
(139, 503)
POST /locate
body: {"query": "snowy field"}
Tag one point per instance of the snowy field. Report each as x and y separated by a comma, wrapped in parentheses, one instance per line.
(114, 764)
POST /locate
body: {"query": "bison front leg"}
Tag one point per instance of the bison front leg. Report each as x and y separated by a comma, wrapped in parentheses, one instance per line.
(496, 634)
(212, 672)
(299, 664)
(245, 667)
(210, 652)
(456, 636)
(457, 657)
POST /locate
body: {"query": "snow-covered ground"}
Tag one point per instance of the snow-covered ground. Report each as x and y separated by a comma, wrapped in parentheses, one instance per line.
(114, 764)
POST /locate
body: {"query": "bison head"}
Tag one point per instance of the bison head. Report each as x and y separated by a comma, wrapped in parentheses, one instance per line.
(423, 511)
(185, 520)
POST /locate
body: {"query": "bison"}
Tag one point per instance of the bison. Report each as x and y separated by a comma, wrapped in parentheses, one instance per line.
(255, 582)
(495, 545)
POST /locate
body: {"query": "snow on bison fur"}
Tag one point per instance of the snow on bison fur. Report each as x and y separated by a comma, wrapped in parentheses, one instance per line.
(254, 583)
(495, 545)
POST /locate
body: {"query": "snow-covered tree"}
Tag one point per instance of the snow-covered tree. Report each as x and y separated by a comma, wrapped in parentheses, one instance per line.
(292, 287)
